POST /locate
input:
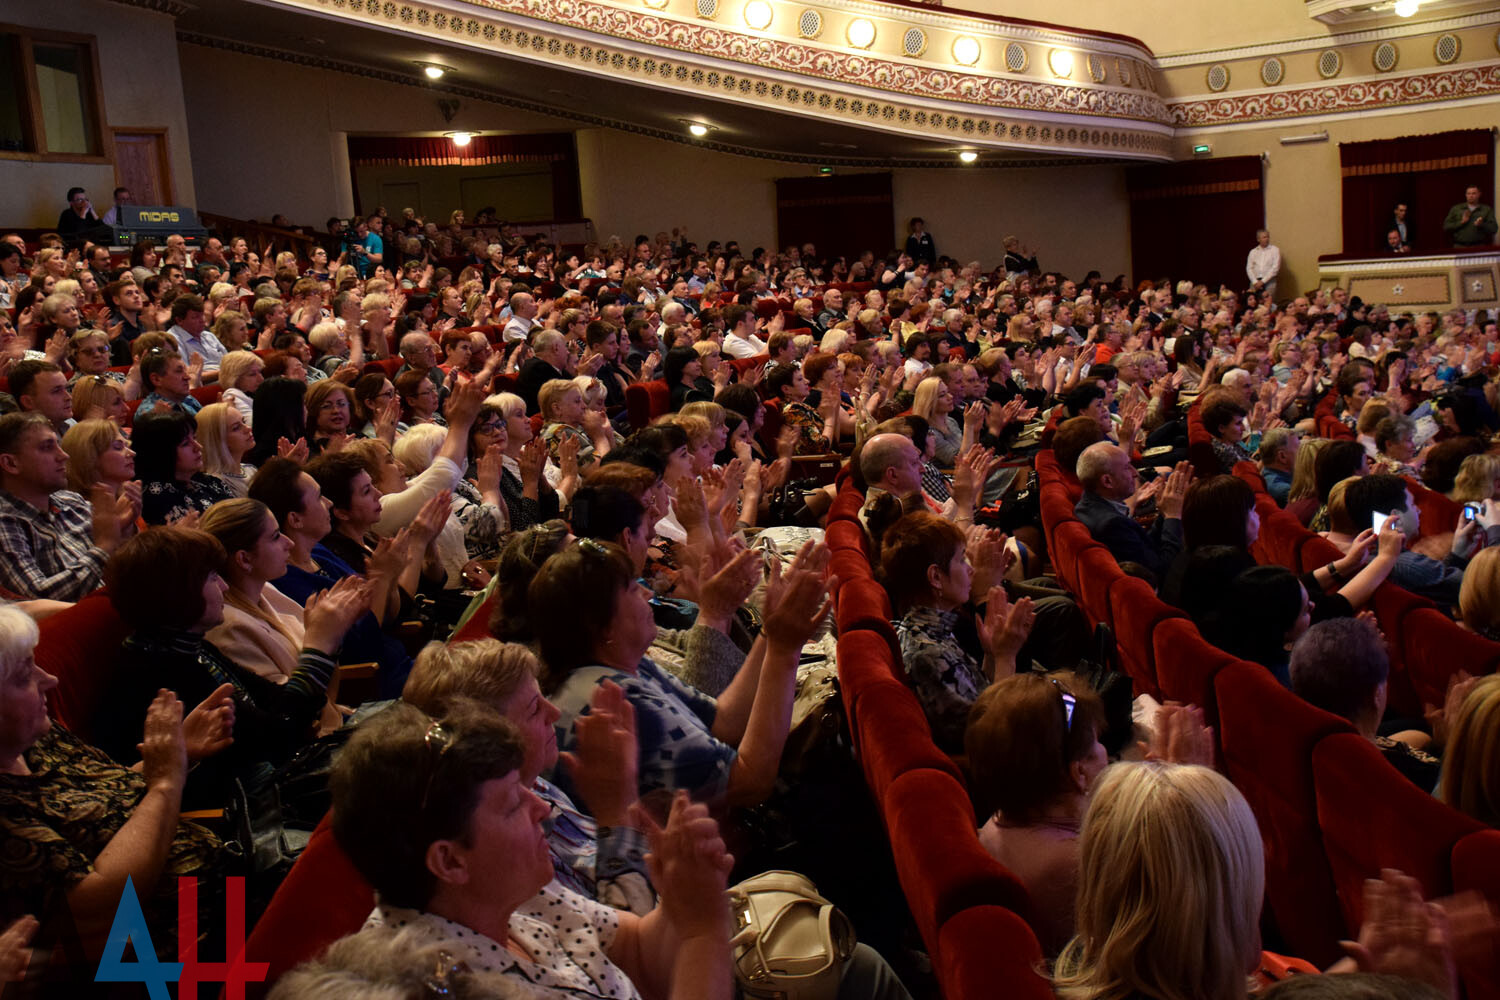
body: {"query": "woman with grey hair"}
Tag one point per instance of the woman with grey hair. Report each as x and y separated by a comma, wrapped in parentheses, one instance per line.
(77, 825)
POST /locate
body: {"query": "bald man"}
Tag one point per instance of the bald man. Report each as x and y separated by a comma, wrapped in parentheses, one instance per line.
(1107, 508)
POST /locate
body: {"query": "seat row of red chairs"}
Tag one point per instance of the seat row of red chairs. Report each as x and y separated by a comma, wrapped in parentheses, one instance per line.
(1332, 812)
(973, 914)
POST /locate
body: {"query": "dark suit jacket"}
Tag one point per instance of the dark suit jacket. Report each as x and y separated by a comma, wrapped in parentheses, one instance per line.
(535, 373)
(1126, 540)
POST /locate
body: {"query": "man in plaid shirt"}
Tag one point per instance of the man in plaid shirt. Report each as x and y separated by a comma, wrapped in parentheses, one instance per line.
(55, 543)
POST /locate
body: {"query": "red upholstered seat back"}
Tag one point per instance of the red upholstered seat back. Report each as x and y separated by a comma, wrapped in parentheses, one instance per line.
(323, 899)
(385, 366)
(645, 401)
(1266, 739)
(78, 647)
(207, 394)
(1200, 446)
(986, 945)
(1186, 664)
(1136, 612)
(1373, 818)
(942, 867)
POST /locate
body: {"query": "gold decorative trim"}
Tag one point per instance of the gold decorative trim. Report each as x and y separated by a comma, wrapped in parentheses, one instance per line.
(1326, 69)
(1454, 41)
(921, 49)
(1220, 72)
(802, 22)
(1390, 47)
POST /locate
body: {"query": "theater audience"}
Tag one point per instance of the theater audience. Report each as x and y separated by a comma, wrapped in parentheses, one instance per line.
(226, 439)
(167, 584)
(1342, 667)
(79, 825)
(410, 832)
(98, 454)
(56, 542)
(1032, 745)
(925, 567)
(594, 624)
(1110, 497)
(1440, 580)
(169, 462)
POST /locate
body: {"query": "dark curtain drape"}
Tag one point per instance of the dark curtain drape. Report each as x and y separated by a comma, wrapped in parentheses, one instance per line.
(1427, 173)
(556, 148)
(1196, 219)
(839, 214)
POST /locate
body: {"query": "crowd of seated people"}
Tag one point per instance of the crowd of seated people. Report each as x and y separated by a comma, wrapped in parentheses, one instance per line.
(503, 493)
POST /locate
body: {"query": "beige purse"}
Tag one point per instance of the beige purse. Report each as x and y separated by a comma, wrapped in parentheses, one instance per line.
(789, 943)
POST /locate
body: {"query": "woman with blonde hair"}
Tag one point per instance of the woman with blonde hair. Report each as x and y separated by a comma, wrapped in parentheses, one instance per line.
(1302, 497)
(1171, 876)
(233, 332)
(1478, 479)
(100, 397)
(240, 374)
(934, 404)
(1479, 597)
(99, 455)
(226, 438)
(1471, 760)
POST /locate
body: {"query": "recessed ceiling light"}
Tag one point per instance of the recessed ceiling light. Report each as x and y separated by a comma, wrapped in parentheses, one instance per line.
(861, 33)
(461, 138)
(965, 50)
(1406, 8)
(433, 71)
(699, 130)
(758, 14)
(967, 156)
(1061, 62)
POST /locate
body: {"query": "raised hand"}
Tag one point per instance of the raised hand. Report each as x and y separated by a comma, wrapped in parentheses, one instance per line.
(1004, 628)
(330, 613)
(1180, 736)
(1402, 935)
(163, 749)
(798, 600)
(531, 460)
(209, 727)
(1175, 491)
(604, 764)
(296, 452)
(430, 519)
(689, 866)
(15, 949)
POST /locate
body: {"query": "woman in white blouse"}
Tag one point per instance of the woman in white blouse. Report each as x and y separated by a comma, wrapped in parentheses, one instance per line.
(434, 815)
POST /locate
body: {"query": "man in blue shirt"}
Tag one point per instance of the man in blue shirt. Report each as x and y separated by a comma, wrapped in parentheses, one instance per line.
(1422, 575)
(1278, 457)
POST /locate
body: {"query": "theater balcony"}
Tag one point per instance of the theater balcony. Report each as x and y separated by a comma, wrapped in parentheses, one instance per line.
(843, 81)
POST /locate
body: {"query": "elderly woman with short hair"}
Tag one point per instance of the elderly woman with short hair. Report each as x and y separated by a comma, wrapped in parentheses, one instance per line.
(436, 815)
(77, 825)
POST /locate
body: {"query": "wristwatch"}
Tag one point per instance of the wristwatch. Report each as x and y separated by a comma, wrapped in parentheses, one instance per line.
(1333, 571)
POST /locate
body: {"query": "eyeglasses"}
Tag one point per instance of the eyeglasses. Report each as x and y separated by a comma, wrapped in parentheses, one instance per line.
(441, 738)
(1069, 703)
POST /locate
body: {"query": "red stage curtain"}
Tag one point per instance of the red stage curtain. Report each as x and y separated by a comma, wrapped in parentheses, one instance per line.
(556, 148)
(1196, 219)
(839, 214)
(1428, 173)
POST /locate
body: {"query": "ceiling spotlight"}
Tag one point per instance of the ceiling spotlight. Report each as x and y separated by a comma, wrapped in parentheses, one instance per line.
(432, 70)
(1061, 62)
(967, 156)
(699, 130)
(758, 14)
(1406, 8)
(965, 50)
(861, 33)
(461, 138)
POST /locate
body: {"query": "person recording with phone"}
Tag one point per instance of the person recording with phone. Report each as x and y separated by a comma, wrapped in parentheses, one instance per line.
(1374, 499)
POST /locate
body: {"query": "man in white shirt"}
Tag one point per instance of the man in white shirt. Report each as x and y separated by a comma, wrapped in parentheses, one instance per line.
(741, 341)
(122, 198)
(523, 311)
(1262, 266)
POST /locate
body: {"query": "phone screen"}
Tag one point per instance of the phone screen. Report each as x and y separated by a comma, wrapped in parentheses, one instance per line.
(1471, 511)
(1379, 520)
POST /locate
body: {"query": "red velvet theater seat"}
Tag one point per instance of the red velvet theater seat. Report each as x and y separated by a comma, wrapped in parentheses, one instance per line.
(863, 604)
(77, 646)
(1097, 573)
(645, 401)
(1069, 539)
(1186, 664)
(942, 867)
(1266, 740)
(895, 738)
(846, 534)
(847, 503)
(322, 900)
(1373, 818)
(1433, 649)
(1476, 867)
(983, 947)
(1136, 612)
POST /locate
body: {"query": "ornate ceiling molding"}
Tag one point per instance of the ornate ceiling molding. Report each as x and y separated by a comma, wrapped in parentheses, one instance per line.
(704, 59)
(1350, 97)
(584, 118)
(1394, 31)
